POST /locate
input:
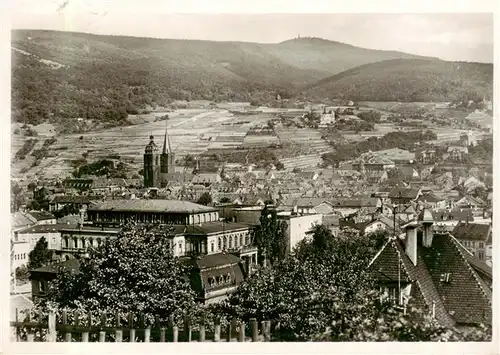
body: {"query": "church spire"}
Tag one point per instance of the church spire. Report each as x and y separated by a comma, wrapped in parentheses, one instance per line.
(166, 141)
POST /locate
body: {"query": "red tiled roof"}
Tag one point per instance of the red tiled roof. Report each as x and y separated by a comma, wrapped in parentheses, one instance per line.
(465, 299)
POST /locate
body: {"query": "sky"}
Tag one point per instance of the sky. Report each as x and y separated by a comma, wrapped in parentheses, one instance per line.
(449, 36)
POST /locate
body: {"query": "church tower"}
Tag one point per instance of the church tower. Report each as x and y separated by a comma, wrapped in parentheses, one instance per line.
(151, 164)
(167, 160)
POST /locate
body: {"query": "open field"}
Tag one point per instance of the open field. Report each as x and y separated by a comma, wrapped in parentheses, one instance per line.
(191, 131)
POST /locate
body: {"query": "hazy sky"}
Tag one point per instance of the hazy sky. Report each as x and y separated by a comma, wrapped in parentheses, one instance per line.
(465, 36)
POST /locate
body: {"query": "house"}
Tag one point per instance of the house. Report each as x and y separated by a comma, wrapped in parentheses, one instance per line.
(470, 202)
(404, 195)
(425, 156)
(213, 277)
(72, 202)
(433, 272)
(346, 207)
(457, 153)
(75, 239)
(108, 185)
(409, 173)
(397, 155)
(471, 183)
(368, 227)
(372, 161)
(41, 277)
(477, 238)
(450, 218)
(116, 212)
(375, 176)
(299, 228)
(433, 201)
(31, 235)
(19, 253)
(43, 217)
(307, 205)
(21, 220)
(327, 119)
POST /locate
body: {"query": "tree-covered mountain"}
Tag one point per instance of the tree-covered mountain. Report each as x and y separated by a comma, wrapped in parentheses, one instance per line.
(64, 75)
(409, 80)
(68, 75)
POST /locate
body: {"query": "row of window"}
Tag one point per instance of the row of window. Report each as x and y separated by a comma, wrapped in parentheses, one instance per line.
(472, 244)
(22, 256)
(156, 218)
(80, 243)
(219, 280)
(232, 241)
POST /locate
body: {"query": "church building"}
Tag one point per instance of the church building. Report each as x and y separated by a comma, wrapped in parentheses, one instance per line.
(158, 167)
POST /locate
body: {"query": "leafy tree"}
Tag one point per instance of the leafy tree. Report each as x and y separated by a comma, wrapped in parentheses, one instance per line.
(370, 116)
(205, 199)
(22, 273)
(41, 255)
(15, 196)
(136, 272)
(40, 199)
(66, 210)
(270, 236)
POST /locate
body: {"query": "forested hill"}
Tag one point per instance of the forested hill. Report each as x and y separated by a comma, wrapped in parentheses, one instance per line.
(69, 75)
(409, 80)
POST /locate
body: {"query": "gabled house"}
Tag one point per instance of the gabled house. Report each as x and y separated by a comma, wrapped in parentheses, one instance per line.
(477, 238)
(457, 153)
(213, 277)
(404, 195)
(375, 176)
(433, 272)
(75, 202)
(43, 217)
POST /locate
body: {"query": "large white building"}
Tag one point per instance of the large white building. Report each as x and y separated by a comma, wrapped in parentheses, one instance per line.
(299, 227)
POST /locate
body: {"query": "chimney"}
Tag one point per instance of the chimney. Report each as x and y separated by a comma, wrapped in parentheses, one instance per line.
(427, 222)
(411, 241)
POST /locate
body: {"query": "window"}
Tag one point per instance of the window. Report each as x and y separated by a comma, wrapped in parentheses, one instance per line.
(212, 247)
(247, 241)
(225, 243)
(180, 247)
(241, 239)
(480, 255)
(481, 245)
(219, 244)
(228, 278)
(41, 286)
(230, 242)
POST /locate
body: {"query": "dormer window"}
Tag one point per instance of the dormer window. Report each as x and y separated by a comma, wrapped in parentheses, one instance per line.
(228, 278)
(445, 277)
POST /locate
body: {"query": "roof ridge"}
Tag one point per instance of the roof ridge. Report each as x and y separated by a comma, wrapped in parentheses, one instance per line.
(459, 246)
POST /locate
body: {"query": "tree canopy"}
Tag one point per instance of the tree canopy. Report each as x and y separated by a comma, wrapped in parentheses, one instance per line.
(135, 272)
(270, 236)
(40, 255)
(205, 199)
